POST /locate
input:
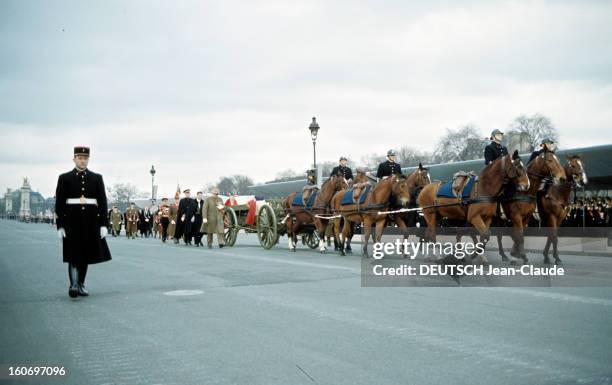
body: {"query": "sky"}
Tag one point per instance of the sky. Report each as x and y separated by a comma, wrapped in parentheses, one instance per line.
(206, 89)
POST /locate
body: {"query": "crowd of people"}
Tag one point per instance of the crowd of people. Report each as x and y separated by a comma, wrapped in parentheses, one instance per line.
(186, 219)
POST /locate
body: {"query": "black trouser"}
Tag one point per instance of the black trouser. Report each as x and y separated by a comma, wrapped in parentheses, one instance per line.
(164, 227)
(183, 228)
(195, 228)
(82, 269)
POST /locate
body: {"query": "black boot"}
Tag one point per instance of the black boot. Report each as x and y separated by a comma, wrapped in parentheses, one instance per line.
(73, 275)
(82, 270)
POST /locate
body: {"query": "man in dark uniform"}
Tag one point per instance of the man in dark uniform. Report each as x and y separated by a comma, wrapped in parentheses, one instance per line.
(343, 170)
(388, 167)
(495, 149)
(197, 223)
(547, 145)
(186, 211)
(164, 220)
(82, 220)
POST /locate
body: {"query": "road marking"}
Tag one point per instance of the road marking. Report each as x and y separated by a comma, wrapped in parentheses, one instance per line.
(176, 293)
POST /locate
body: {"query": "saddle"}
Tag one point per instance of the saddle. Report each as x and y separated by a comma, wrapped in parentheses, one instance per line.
(306, 197)
(357, 194)
(459, 187)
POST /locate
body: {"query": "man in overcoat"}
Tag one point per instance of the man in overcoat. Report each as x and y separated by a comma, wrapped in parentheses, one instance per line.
(82, 220)
(212, 218)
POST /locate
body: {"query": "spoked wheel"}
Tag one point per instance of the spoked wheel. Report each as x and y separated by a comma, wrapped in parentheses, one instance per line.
(312, 239)
(230, 226)
(267, 227)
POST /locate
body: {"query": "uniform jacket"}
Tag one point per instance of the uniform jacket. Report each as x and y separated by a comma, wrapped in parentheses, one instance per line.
(388, 168)
(493, 151)
(82, 222)
(344, 171)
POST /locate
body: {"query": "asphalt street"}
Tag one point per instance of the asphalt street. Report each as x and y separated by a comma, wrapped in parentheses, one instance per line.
(167, 314)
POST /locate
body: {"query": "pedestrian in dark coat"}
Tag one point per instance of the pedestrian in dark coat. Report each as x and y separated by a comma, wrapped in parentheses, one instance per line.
(82, 220)
(186, 212)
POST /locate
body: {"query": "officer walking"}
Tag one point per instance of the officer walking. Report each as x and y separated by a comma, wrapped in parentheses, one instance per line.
(343, 170)
(186, 211)
(197, 223)
(495, 149)
(82, 220)
(388, 167)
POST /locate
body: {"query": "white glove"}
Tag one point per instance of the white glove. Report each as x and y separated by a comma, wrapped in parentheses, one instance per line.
(183, 218)
(61, 233)
(192, 219)
(220, 206)
(103, 232)
(205, 220)
(173, 222)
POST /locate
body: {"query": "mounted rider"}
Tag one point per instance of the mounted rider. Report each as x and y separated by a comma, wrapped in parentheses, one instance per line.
(546, 145)
(388, 167)
(495, 149)
(343, 169)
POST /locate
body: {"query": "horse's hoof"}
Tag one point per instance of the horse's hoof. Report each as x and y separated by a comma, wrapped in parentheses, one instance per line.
(505, 258)
(342, 253)
(546, 260)
(558, 261)
(293, 249)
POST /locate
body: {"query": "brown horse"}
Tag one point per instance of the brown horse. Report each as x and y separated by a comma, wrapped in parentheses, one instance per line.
(555, 204)
(480, 208)
(520, 207)
(417, 180)
(359, 183)
(377, 199)
(299, 216)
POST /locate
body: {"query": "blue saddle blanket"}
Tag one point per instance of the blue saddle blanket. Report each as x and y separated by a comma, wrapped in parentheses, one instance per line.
(446, 191)
(299, 201)
(347, 199)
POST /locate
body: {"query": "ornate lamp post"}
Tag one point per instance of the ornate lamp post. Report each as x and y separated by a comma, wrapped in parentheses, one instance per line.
(152, 171)
(314, 130)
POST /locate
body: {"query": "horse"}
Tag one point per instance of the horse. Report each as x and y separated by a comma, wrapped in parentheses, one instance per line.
(358, 184)
(480, 207)
(297, 216)
(555, 204)
(417, 180)
(376, 199)
(520, 207)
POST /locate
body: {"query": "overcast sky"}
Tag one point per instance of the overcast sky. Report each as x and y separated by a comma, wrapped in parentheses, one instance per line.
(204, 89)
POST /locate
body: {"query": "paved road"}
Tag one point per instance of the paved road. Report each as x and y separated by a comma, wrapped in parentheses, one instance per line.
(274, 317)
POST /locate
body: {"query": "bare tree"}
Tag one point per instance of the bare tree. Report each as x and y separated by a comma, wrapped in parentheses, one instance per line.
(464, 143)
(409, 156)
(226, 185)
(532, 129)
(371, 161)
(242, 183)
(123, 193)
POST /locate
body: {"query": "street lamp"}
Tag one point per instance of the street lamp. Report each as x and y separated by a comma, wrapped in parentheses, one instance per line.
(314, 130)
(152, 171)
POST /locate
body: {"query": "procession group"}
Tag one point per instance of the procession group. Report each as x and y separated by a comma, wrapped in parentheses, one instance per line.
(187, 219)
